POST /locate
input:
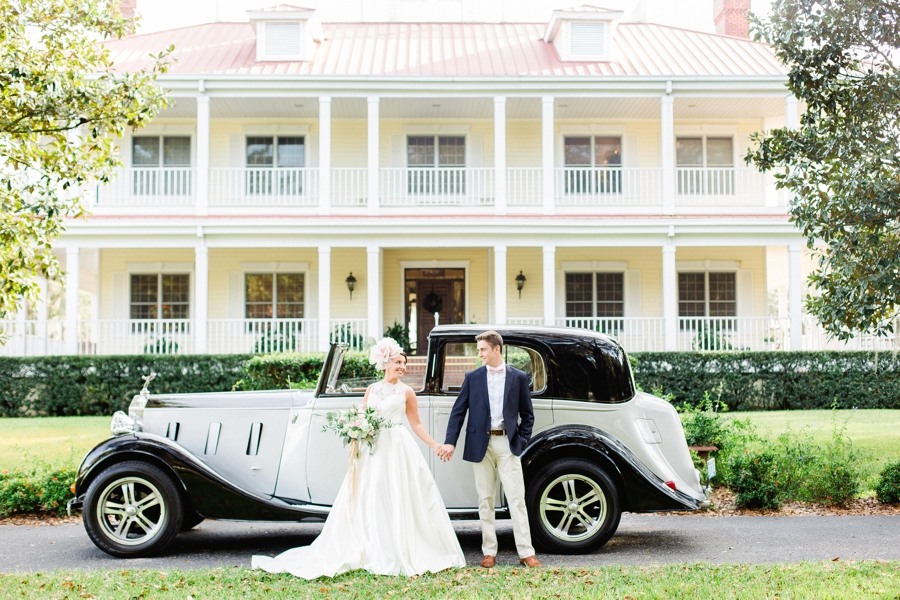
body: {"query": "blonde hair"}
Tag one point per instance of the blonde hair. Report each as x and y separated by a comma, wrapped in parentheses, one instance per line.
(491, 337)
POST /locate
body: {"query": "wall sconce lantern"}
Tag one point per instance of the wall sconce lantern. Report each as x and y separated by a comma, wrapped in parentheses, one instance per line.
(520, 283)
(351, 283)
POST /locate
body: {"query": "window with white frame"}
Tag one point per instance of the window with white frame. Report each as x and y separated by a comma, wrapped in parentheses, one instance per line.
(160, 296)
(707, 294)
(161, 165)
(587, 40)
(275, 165)
(705, 165)
(593, 164)
(268, 295)
(436, 164)
(595, 300)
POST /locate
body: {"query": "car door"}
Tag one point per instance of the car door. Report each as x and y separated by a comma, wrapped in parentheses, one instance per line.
(456, 479)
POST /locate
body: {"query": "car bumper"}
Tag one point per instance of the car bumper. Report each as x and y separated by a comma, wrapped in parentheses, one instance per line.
(73, 505)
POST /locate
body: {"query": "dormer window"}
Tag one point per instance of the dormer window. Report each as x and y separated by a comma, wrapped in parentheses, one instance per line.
(587, 40)
(282, 39)
(285, 32)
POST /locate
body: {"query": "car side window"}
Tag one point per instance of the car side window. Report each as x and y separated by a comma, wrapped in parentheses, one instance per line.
(461, 358)
(351, 374)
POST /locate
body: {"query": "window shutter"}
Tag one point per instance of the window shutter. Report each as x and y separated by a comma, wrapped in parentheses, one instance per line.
(121, 303)
(587, 39)
(398, 151)
(311, 141)
(237, 157)
(632, 293)
(282, 39)
(745, 293)
(474, 150)
(235, 295)
(631, 182)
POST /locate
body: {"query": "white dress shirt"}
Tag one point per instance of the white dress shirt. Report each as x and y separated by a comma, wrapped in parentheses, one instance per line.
(496, 385)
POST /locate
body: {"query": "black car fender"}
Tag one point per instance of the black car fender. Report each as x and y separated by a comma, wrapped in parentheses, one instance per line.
(208, 493)
(641, 489)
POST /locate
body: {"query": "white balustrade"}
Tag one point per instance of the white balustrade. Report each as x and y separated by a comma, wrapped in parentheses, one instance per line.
(136, 336)
(349, 331)
(148, 186)
(524, 320)
(349, 187)
(445, 186)
(264, 186)
(733, 333)
(32, 338)
(636, 334)
(524, 186)
(815, 338)
(607, 186)
(725, 186)
(261, 336)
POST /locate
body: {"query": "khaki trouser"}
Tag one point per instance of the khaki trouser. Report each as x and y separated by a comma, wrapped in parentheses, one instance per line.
(498, 458)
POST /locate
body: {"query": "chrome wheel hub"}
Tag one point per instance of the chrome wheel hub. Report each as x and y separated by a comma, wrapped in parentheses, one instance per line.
(131, 511)
(573, 507)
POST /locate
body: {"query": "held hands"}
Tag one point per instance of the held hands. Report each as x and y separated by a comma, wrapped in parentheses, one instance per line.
(444, 452)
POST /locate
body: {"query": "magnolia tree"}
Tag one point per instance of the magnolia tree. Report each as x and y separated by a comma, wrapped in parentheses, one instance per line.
(61, 106)
(842, 165)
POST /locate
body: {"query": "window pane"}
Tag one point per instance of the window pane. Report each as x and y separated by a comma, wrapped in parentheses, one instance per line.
(578, 151)
(610, 295)
(145, 151)
(290, 296)
(291, 152)
(722, 295)
(529, 361)
(459, 359)
(260, 151)
(420, 151)
(579, 295)
(177, 151)
(452, 151)
(689, 152)
(259, 296)
(608, 151)
(691, 294)
(175, 297)
(719, 152)
(144, 293)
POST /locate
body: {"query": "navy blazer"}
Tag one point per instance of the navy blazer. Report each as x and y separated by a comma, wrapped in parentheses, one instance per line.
(473, 398)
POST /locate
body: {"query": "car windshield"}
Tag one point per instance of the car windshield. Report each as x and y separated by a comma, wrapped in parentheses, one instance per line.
(460, 358)
(351, 373)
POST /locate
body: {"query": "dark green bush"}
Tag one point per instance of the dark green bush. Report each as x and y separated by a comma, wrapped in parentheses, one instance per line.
(888, 487)
(753, 476)
(774, 380)
(44, 489)
(294, 370)
(101, 385)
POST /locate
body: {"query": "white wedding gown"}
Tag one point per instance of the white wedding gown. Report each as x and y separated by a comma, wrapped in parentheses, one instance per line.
(398, 523)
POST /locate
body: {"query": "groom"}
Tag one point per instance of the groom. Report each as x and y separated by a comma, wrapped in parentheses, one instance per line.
(496, 397)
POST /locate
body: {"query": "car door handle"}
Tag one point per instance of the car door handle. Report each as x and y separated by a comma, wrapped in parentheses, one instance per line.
(317, 414)
(444, 412)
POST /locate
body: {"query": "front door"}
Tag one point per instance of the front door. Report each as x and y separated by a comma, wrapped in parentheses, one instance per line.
(433, 296)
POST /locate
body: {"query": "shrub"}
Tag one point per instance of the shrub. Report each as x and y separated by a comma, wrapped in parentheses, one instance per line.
(294, 370)
(888, 487)
(774, 380)
(42, 489)
(753, 476)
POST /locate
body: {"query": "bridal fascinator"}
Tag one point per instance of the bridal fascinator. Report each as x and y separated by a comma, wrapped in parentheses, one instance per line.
(381, 353)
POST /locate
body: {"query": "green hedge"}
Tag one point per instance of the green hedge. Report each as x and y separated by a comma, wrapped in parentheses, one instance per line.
(774, 380)
(284, 370)
(101, 385)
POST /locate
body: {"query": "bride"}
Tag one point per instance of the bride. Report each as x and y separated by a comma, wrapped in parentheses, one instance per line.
(394, 521)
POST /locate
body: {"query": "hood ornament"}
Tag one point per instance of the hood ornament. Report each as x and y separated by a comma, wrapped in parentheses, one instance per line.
(145, 392)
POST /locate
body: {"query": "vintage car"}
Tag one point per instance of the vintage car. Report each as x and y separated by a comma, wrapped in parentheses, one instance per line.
(599, 447)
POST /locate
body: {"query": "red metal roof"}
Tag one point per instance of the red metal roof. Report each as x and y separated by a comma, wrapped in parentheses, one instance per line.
(451, 49)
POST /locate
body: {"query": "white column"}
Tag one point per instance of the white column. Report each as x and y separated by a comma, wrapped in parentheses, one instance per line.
(202, 201)
(201, 298)
(324, 298)
(500, 285)
(500, 155)
(373, 115)
(548, 189)
(669, 298)
(374, 293)
(324, 155)
(791, 113)
(550, 285)
(795, 299)
(667, 152)
(73, 265)
(41, 310)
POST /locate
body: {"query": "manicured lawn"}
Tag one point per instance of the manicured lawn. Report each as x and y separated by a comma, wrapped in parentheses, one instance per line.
(55, 440)
(875, 431)
(698, 581)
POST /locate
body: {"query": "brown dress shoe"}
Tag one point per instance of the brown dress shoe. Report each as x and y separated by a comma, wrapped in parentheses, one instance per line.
(530, 561)
(488, 561)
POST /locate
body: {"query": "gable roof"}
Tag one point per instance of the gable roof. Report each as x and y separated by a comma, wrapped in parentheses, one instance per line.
(450, 50)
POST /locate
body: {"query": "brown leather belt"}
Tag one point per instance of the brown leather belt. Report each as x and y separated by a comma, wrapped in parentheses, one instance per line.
(497, 432)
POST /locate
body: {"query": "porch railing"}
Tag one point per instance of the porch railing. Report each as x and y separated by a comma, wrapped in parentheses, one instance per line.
(444, 186)
(815, 338)
(607, 186)
(231, 336)
(733, 333)
(349, 331)
(32, 338)
(349, 187)
(726, 186)
(136, 336)
(636, 334)
(148, 186)
(264, 186)
(525, 186)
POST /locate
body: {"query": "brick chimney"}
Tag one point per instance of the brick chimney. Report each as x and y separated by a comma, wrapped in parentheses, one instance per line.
(128, 8)
(730, 17)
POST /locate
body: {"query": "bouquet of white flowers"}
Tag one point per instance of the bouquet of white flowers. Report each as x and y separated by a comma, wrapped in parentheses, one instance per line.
(358, 426)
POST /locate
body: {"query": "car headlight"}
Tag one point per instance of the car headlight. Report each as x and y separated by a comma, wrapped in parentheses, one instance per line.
(121, 423)
(136, 411)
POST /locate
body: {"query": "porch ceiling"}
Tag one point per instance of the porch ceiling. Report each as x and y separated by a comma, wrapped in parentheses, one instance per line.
(728, 108)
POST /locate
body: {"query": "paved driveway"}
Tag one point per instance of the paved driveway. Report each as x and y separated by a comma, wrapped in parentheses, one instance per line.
(641, 539)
